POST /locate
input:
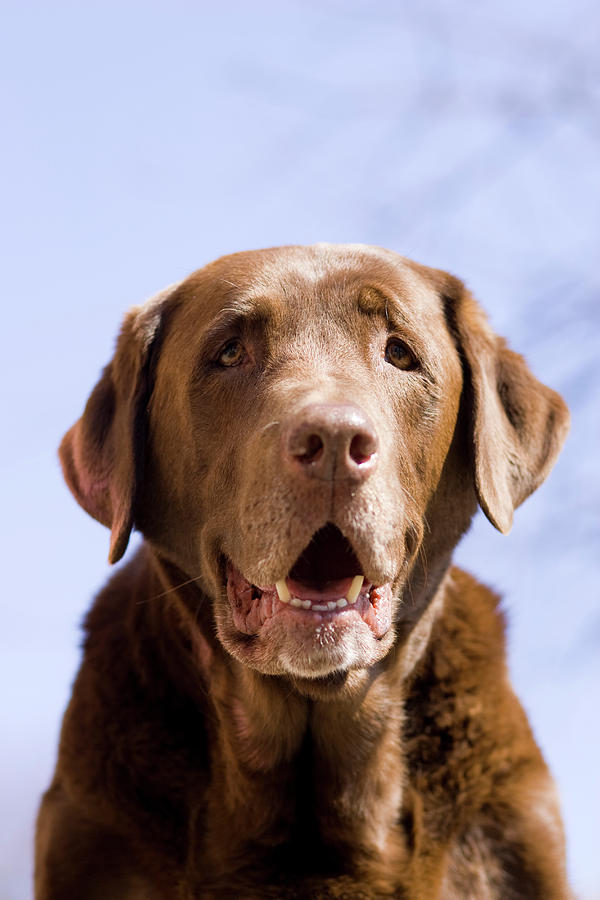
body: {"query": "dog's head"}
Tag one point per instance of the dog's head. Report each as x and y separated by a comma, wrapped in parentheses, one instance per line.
(308, 431)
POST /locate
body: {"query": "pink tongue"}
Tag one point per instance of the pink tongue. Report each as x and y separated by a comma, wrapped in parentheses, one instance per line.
(331, 590)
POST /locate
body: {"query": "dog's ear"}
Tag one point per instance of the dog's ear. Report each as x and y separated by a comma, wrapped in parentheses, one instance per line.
(102, 454)
(518, 425)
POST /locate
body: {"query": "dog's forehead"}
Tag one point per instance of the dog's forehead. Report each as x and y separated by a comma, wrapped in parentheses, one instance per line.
(321, 279)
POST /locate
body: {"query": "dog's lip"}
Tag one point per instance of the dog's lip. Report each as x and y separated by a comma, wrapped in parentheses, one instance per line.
(252, 605)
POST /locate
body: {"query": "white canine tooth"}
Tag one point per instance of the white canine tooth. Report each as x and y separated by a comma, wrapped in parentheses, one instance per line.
(295, 601)
(305, 604)
(331, 604)
(320, 607)
(342, 602)
(357, 583)
(282, 591)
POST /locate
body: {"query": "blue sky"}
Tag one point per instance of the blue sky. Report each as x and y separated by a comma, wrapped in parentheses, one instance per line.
(142, 140)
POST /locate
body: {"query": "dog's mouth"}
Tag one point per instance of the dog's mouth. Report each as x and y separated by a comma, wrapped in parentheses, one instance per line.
(325, 584)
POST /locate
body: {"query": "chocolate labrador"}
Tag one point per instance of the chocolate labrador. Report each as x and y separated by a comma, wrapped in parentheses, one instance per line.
(289, 692)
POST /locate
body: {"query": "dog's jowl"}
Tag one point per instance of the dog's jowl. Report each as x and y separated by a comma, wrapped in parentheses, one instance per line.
(288, 691)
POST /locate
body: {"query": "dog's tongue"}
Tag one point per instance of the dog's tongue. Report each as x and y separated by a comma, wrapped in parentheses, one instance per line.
(330, 590)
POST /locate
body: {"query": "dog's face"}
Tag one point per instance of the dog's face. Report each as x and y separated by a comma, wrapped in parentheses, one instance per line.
(302, 411)
(302, 422)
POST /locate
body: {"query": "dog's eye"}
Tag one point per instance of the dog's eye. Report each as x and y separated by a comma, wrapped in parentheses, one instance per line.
(398, 354)
(232, 354)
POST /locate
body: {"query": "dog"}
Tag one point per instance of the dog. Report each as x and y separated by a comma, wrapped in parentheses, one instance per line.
(289, 691)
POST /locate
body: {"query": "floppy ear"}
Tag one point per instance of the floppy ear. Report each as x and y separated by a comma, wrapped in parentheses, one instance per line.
(518, 425)
(101, 454)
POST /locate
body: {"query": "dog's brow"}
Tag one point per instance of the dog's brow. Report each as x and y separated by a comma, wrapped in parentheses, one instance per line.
(374, 302)
(237, 312)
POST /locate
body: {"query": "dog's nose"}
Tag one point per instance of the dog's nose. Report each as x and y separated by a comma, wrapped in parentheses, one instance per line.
(331, 442)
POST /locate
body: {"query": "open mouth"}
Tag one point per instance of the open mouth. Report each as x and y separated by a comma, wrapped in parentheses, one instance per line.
(325, 584)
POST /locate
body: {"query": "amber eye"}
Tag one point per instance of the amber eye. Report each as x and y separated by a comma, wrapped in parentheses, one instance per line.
(232, 354)
(398, 354)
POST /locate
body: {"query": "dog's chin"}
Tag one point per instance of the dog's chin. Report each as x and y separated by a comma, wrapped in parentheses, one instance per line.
(326, 651)
(306, 632)
(306, 648)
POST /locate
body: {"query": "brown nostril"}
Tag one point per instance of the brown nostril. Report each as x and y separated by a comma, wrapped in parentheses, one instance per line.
(312, 449)
(363, 447)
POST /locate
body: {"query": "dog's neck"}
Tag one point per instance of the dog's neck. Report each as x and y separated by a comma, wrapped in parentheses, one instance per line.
(329, 757)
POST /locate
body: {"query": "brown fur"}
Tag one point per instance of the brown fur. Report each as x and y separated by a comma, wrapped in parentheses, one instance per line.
(198, 760)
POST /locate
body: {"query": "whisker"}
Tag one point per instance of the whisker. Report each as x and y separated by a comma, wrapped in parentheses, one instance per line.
(270, 425)
(170, 590)
(407, 493)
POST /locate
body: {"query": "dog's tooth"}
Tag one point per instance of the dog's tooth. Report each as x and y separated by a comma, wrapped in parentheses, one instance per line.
(305, 604)
(294, 601)
(342, 602)
(331, 604)
(320, 607)
(357, 583)
(282, 591)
